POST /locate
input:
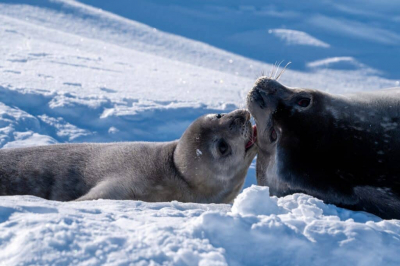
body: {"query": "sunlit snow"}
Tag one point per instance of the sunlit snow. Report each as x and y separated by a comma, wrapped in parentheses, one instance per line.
(70, 72)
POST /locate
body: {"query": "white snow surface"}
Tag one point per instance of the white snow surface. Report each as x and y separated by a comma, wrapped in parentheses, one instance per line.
(70, 72)
(296, 229)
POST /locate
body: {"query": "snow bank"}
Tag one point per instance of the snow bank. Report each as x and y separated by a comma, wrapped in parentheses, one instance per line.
(256, 230)
(300, 229)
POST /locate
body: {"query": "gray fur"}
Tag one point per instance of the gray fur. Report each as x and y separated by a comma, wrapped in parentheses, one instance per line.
(343, 149)
(135, 170)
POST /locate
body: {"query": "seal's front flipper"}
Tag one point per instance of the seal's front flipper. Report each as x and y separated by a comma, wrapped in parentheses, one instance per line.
(111, 189)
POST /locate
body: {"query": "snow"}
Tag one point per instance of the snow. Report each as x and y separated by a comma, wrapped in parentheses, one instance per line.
(366, 31)
(295, 229)
(198, 152)
(340, 62)
(70, 72)
(295, 37)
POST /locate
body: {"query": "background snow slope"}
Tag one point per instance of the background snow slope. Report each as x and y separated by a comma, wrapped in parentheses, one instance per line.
(300, 31)
(70, 72)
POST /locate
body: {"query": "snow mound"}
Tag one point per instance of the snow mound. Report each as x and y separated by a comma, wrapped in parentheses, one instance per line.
(248, 203)
(256, 230)
(298, 229)
(295, 37)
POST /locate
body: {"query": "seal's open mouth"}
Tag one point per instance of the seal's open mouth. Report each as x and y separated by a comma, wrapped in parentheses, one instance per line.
(253, 138)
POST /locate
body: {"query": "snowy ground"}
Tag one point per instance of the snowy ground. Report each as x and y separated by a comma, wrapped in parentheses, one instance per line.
(296, 229)
(74, 73)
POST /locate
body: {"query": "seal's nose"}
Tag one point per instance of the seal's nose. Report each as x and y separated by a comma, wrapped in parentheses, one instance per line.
(267, 85)
(239, 117)
(241, 114)
(265, 90)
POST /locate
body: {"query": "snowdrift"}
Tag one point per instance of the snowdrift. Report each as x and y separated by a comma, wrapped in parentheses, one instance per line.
(256, 230)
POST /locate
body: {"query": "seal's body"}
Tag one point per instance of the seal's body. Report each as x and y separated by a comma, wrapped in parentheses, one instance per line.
(193, 169)
(344, 149)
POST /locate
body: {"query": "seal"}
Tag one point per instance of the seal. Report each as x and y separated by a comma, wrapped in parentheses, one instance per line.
(207, 164)
(343, 149)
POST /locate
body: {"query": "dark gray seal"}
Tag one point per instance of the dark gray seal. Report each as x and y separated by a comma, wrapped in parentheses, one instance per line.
(343, 149)
(207, 164)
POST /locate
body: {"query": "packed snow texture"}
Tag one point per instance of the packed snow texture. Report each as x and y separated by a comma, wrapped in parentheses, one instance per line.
(296, 229)
(70, 72)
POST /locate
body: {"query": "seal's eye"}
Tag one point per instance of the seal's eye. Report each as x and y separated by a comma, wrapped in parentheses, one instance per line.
(223, 147)
(304, 102)
(219, 115)
(273, 136)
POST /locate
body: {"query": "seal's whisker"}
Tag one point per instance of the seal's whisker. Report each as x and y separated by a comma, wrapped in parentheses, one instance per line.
(283, 70)
(277, 69)
(272, 70)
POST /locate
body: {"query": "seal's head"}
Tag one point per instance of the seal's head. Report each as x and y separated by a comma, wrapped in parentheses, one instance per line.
(343, 149)
(277, 108)
(215, 152)
(293, 129)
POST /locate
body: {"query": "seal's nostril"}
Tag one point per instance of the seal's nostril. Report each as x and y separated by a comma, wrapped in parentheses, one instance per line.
(240, 120)
(240, 115)
(269, 86)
